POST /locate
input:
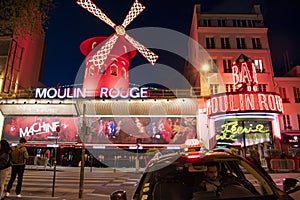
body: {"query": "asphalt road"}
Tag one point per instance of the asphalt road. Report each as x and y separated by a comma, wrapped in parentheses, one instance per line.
(98, 183)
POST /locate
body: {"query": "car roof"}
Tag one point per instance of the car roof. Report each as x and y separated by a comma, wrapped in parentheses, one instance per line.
(193, 157)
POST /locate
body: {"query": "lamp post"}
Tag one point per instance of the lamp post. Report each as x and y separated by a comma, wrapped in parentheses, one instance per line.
(137, 161)
(83, 134)
(55, 155)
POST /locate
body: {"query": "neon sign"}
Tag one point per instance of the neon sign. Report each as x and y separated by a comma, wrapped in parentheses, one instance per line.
(71, 93)
(224, 103)
(244, 74)
(231, 129)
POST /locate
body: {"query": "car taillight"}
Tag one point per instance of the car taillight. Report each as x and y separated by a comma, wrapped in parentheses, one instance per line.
(193, 156)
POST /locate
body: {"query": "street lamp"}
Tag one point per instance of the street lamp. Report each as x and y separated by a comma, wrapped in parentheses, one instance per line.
(137, 161)
(205, 68)
(204, 83)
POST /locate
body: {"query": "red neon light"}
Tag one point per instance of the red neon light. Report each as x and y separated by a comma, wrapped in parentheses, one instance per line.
(267, 102)
(244, 74)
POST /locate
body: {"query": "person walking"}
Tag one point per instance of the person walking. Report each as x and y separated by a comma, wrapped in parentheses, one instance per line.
(19, 157)
(47, 156)
(5, 158)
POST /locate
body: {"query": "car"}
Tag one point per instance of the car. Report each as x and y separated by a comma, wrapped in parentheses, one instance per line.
(178, 176)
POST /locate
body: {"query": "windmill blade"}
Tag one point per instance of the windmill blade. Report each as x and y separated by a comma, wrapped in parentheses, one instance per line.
(101, 55)
(92, 8)
(134, 11)
(147, 53)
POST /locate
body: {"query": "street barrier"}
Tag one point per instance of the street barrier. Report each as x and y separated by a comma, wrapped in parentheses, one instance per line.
(282, 165)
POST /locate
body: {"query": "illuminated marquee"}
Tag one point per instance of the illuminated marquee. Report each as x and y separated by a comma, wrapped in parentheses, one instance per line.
(231, 129)
(242, 132)
(228, 103)
(71, 93)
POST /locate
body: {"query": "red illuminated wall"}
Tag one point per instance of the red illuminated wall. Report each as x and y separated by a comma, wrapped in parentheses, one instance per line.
(114, 72)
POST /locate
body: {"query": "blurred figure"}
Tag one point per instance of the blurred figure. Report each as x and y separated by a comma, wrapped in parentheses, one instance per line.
(5, 157)
(47, 156)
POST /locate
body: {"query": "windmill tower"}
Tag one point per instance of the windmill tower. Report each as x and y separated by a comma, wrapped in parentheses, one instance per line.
(108, 65)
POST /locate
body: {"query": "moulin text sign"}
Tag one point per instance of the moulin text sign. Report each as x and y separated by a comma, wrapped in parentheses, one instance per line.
(226, 103)
(74, 93)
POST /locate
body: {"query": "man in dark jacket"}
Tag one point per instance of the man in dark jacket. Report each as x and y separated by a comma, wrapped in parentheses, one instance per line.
(18, 168)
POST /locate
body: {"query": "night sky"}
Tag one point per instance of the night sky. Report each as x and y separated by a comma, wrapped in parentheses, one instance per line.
(70, 24)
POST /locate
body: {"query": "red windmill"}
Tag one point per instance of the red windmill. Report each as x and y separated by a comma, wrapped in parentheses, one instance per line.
(108, 67)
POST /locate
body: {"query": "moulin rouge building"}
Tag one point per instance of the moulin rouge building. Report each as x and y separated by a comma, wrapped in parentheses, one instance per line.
(234, 102)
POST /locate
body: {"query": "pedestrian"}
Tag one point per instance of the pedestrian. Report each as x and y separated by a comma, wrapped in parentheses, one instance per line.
(283, 155)
(19, 157)
(47, 156)
(5, 157)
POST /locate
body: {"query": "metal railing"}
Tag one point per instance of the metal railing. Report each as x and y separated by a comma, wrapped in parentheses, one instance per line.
(282, 164)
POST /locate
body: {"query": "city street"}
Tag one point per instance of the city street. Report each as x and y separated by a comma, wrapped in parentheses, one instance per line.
(98, 183)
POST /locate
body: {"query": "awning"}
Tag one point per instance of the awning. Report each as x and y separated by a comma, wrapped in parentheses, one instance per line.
(291, 137)
(291, 133)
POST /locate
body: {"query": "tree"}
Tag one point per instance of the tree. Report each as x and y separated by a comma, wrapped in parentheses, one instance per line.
(24, 15)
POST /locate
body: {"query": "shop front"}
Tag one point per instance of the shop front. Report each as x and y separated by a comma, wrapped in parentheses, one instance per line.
(118, 132)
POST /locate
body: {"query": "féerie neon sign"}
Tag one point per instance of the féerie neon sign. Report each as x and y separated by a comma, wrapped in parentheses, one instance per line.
(231, 129)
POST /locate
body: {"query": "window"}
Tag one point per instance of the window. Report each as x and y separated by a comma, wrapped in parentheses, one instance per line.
(212, 66)
(244, 23)
(240, 43)
(259, 66)
(227, 65)
(213, 88)
(287, 122)
(256, 43)
(210, 43)
(4, 47)
(2, 63)
(251, 23)
(236, 23)
(230, 88)
(225, 43)
(298, 117)
(282, 92)
(102, 69)
(114, 70)
(91, 70)
(262, 87)
(221, 22)
(123, 73)
(297, 94)
(207, 22)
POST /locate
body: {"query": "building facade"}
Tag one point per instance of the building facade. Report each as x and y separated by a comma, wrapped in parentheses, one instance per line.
(21, 64)
(235, 100)
(225, 37)
(288, 87)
